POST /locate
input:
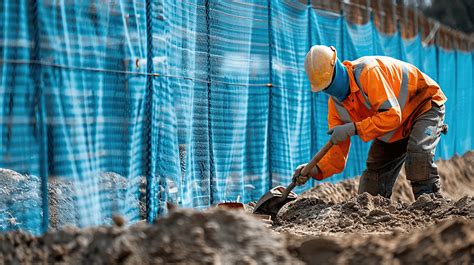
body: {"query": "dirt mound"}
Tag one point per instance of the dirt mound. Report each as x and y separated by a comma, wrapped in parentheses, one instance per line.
(329, 223)
(20, 201)
(61, 202)
(448, 242)
(346, 189)
(109, 193)
(333, 193)
(457, 178)
(184, 237)
(457, 175)
(229, 237)
(368, 214)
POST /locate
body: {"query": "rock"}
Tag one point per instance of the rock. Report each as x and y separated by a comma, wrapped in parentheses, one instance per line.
(118, 220)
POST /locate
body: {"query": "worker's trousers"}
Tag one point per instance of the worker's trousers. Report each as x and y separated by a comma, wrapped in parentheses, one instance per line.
(417, 152)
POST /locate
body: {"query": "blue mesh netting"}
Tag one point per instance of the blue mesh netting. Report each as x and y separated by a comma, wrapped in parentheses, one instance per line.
(122, 106)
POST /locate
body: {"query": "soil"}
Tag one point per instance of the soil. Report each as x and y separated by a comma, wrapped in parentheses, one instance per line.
(457, 175)
(184, 237)
(447, 242)
(218, 236)
(365, 213)
(456, 181)
(61, 202)
(328, 224)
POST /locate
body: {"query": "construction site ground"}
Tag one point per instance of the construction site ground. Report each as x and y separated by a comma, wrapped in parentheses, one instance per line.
(328, 224)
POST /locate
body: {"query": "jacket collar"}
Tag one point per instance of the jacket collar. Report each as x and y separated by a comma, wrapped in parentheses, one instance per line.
(352, 83)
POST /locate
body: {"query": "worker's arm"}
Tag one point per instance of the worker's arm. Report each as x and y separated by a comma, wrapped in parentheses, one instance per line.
(382, 98)
(335, 160)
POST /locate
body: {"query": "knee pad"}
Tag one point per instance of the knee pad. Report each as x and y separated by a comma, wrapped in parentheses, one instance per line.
(418, 166)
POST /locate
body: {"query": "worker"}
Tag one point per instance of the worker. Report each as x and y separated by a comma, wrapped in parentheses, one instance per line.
(387, 101)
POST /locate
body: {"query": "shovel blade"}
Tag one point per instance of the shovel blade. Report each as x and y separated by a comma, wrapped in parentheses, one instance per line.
(271, 202)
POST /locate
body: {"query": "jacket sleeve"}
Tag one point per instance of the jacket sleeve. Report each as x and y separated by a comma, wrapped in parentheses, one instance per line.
(382, 98)
(335, 160)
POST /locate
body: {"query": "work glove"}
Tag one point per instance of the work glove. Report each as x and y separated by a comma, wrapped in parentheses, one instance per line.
(341, 133)
(300, 179)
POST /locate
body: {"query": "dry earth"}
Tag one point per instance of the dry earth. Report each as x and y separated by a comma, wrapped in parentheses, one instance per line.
(184, 237)
(329, 224)
(457, 180)
(447, 242)
(369, 214)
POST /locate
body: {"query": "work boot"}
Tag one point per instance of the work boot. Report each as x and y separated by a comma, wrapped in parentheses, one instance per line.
(425, 187)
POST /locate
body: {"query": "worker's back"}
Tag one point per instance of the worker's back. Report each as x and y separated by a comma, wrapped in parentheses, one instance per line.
(379, 80)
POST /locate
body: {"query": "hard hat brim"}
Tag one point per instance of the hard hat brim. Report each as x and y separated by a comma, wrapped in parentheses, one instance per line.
(320, 87)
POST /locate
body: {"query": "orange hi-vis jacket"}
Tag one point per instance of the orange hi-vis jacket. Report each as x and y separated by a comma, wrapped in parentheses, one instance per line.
(386, 96)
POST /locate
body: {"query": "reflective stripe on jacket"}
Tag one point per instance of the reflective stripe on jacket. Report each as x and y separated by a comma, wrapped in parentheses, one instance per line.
(386, 96)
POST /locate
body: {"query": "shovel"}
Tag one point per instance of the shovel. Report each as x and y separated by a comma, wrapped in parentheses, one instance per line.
(272, 201)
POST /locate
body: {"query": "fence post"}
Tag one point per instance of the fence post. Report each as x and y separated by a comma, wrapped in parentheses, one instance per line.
(313, 125)
(209, 105)
(40, 105)
(148, 112)
(343, 22)
(270, 85)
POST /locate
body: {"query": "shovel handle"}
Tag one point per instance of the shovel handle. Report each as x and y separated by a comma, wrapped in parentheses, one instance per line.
(287, 191)
(316, 158)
